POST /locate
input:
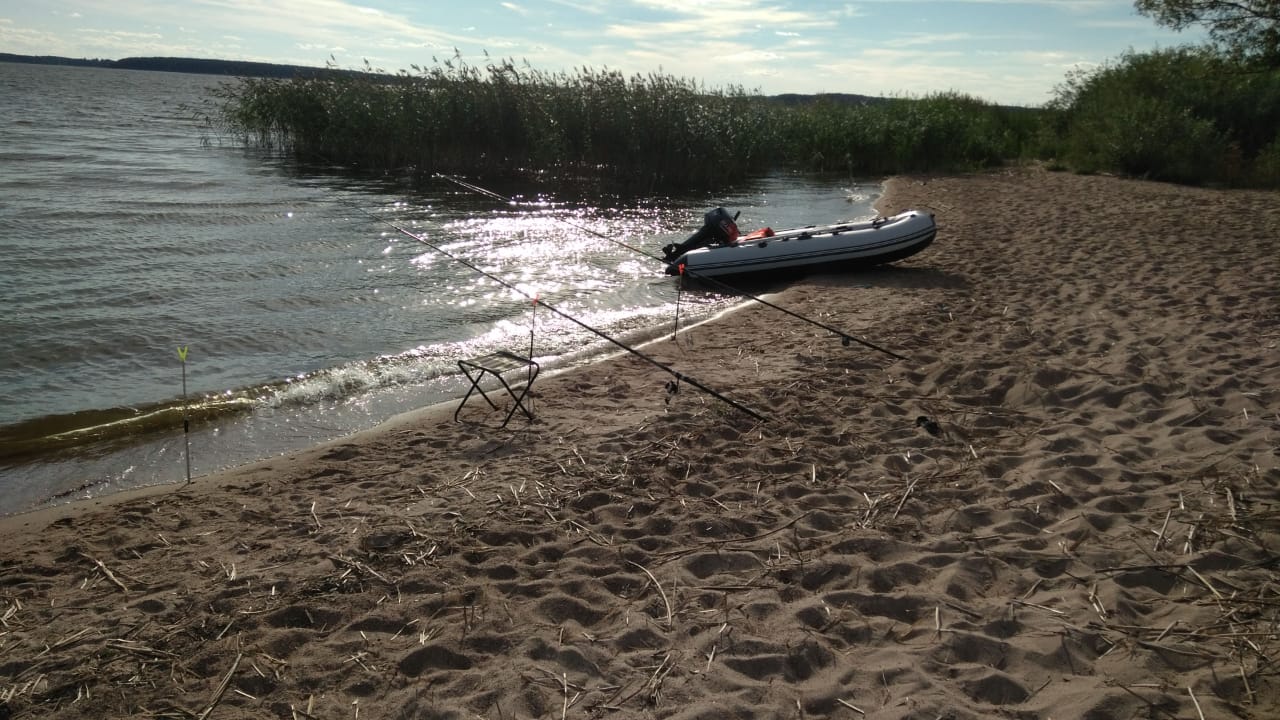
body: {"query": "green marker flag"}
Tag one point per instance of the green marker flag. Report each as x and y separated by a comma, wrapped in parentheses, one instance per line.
(186, 416)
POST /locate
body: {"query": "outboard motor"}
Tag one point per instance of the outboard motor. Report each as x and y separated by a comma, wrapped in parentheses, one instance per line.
(718, 228)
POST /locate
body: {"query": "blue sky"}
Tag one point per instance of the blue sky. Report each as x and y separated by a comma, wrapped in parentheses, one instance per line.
(1008, 51)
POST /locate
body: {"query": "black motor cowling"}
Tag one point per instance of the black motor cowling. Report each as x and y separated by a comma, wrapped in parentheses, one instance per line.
(718, 228)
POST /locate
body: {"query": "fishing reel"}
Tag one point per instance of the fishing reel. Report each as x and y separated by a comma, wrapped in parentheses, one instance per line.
(673, 388)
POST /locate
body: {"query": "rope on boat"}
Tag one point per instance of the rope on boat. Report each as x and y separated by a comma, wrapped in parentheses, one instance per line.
(671, 387)
(845, 338)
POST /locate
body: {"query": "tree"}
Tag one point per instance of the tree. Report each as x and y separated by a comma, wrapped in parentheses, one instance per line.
(1248, 29)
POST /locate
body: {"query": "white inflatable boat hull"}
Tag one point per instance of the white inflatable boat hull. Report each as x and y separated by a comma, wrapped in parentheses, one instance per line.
(815, 248)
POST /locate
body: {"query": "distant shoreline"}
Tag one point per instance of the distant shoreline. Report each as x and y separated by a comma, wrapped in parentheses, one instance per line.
(197, 66)
(245, 68)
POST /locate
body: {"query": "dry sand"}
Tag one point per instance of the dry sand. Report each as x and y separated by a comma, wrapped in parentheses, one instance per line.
(1093, 534)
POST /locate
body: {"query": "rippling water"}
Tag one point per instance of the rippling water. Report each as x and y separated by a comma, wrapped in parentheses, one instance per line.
(124, 236)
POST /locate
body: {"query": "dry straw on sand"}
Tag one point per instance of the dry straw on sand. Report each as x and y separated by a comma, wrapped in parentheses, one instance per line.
(1093, 531)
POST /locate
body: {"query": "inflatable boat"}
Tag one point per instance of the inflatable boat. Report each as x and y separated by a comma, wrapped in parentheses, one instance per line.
(718, 248)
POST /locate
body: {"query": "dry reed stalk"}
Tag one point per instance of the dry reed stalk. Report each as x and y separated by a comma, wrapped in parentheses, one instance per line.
(658, 585)
(1244, 677)
(1032, 589)
(222, 689)
(1096, 602)
(357, 565)
(1150, 704)
(1160, 535)
(672, 554)
(1195, 702)
(872, 509)
(655, 682)
(1209, 586)
(1180, 651)
(1046, 608)
(854, 708)
(107, 572)
(1191, 535)
(1035, 692)
(10, 612)
(133, 646)
(959, 608)
(905, 495)
(564, 708)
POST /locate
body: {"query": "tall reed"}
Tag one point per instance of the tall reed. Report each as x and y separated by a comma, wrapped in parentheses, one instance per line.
(653, 132)
(1186, 115)
(650, 130)
(943, 131)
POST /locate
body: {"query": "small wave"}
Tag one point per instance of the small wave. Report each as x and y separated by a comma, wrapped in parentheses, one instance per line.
(114, 427)
(414, 366)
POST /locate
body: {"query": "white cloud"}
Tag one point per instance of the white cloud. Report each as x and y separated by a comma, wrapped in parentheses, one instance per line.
(927, 39)
(595, 8)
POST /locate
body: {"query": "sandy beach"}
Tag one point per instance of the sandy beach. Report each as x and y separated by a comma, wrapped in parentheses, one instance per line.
(1086, 524)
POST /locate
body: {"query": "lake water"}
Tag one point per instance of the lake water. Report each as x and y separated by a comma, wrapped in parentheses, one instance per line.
(128, 232)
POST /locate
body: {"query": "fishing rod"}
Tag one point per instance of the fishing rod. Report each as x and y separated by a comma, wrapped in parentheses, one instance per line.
(679, 376)
(845, 338)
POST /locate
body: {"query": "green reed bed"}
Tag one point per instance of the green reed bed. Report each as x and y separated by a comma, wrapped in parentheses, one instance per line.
(651, 132)
(944, 131)
(1188, 115)
(654, 130)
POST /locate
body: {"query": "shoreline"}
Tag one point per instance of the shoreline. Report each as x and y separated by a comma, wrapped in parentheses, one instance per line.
(435, 413)
(637, 339)
(1084, 526)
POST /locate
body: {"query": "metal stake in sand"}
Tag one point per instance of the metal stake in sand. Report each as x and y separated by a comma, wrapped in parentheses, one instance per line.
(186, 415)
(679, 291)
(533, 328)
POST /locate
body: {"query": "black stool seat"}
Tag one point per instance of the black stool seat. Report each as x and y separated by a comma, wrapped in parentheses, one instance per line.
(498, 364)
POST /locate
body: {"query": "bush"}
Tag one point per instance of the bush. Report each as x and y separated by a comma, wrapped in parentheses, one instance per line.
(942, 131)
(1266, 166)
(1186, 115)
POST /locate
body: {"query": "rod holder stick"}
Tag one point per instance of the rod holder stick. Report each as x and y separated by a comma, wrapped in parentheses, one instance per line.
(186, 412)
(533, 328)
(675, 331)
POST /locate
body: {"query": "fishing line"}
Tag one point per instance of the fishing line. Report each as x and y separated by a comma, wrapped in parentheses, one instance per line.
(679, 376)
(845, 338)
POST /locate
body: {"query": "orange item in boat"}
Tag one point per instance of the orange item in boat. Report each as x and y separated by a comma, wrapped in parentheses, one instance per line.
(760, 234)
